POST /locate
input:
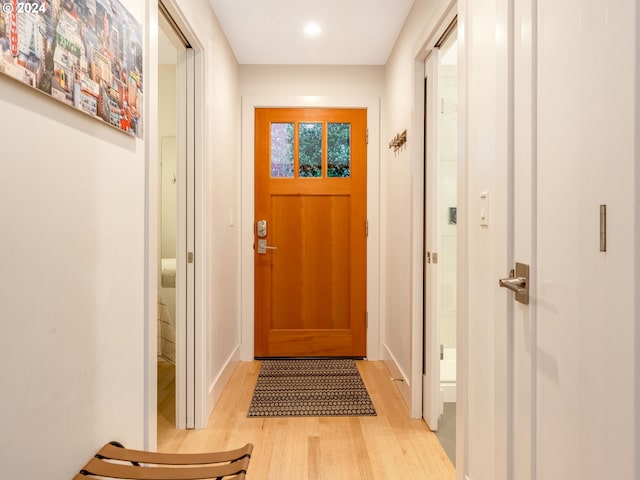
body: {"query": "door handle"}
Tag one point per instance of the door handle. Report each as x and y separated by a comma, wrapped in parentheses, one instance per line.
(263, 247)
(515, 284)
(518, 282)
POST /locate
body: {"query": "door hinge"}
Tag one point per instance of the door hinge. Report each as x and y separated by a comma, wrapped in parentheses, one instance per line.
(189, 257)
(366, 319)
(367, 137)
(366, 228)
(441, 352)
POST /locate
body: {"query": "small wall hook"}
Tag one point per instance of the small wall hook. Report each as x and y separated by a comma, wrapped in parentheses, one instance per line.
(398, 141)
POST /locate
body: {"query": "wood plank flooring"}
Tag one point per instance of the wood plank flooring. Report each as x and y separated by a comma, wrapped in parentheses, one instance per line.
(388, 446)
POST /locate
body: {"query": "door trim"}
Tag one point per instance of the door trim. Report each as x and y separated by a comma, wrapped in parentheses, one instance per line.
(432, 33)
(374, 300)
(151, 140)
(194, 413)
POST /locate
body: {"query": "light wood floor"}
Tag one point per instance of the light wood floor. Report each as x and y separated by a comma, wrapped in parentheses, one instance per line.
(386, 447)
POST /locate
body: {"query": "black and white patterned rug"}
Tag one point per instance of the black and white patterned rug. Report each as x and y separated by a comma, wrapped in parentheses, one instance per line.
(310, 388)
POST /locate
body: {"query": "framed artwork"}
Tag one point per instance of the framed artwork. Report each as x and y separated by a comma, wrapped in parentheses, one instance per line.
(85, 53)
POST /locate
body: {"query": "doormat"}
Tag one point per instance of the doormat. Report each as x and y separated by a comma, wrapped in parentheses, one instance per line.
(310, 388)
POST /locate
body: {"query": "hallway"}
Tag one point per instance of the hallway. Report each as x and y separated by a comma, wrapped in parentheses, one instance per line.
(388, 446)
(548, 177)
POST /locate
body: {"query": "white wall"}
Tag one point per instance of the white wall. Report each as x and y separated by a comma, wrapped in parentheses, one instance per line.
(318, 80)
(313, 86)
(486, 156)
(72, 301)
(78, 333)
(398, 187)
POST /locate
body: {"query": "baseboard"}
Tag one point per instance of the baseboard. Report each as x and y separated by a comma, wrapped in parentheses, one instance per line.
(216, 388)
(397, 375)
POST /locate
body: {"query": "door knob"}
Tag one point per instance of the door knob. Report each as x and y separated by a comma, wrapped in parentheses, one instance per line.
(518, 282)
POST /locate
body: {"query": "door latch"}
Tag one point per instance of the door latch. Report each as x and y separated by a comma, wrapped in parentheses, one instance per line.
(518, 282)
(263, 247)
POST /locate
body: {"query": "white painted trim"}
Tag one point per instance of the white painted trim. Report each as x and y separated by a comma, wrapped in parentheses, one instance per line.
(200, 410)
(182, 306)
(636, 252)
(151, 232)
(414, 401)
(218, 385)
(462, 307)
(398, 377)
(372, 104)
(431, 33)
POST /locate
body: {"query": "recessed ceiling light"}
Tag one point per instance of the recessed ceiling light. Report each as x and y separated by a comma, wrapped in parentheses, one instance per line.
(312, 29)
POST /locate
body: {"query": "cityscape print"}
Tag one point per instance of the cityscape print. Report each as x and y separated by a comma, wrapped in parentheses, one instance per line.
(85, 53)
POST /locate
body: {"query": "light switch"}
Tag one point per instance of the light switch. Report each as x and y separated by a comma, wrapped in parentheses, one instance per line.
(484, 209)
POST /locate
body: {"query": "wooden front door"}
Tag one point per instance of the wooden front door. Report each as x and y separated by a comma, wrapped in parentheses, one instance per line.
(310, 232)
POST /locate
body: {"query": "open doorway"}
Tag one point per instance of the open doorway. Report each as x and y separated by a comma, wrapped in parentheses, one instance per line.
(168, 224)
(440, 239)
(176, 228)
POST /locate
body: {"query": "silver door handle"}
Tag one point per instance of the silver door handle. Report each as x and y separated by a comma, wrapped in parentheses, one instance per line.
(263, 247)
(518, 282)
(515, 284)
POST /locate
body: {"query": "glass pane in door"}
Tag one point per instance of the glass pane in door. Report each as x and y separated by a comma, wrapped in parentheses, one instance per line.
(282, 150)
(310, 149)
(339, 150)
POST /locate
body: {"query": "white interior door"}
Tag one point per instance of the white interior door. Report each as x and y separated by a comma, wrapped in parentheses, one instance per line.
(440, 223)
(571, 350)
(586, 157)
(185, 370)
(431, 367)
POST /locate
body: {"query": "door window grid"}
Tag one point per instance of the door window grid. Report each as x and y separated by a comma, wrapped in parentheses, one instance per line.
(309, 150)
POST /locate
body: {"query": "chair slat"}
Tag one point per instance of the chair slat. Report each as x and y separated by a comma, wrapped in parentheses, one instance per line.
(118, 453)
(105, 468)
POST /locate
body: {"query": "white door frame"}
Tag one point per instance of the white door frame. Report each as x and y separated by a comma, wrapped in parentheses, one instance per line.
(249, 104)
(190, 342)
(192, 388)
(432, 33)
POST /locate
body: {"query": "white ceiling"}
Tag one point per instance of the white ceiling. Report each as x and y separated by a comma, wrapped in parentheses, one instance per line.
(354, 32)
